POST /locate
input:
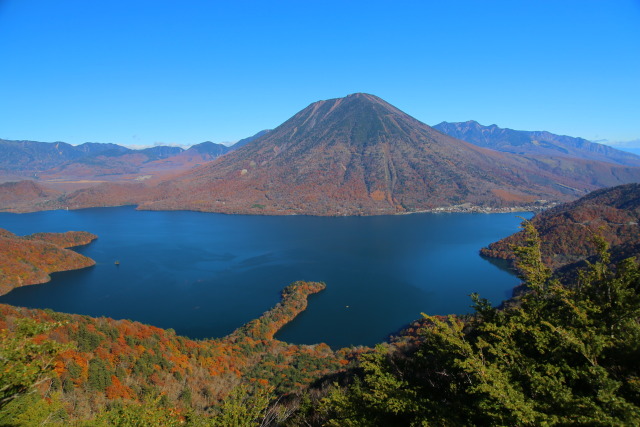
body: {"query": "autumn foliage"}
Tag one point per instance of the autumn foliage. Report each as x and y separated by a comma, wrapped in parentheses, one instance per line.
(29, 260)
(567, 231)
(120, 360)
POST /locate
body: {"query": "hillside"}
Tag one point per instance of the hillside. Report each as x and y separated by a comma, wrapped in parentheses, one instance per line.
(535, 143)
(30, 259)
(25, 195)
(105, 363)
(566, 231)
(361, 155)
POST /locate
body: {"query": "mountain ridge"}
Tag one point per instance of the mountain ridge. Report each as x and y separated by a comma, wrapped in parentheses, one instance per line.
(535, 142)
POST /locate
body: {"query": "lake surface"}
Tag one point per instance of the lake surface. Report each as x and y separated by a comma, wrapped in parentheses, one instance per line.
(205, 274)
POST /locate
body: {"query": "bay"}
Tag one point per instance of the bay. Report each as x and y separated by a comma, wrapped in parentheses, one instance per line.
(205, 274)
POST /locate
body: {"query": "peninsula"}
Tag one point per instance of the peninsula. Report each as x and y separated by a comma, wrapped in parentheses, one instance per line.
(30, 259)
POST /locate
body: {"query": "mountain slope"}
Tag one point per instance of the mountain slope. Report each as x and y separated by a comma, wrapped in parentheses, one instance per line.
(566, 231)
(361, 155)
(107, 363)
(30, 156)
(25, 195)
(535, 142)
(247, 140)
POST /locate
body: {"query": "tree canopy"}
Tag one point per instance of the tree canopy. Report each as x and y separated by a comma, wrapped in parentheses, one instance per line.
(562, 353)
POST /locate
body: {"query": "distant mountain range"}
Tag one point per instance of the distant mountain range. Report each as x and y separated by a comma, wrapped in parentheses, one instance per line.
(59, 160)
(356, 155)
(535, 143)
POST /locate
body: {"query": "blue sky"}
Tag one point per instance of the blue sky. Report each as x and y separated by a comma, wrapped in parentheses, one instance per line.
(181, 72)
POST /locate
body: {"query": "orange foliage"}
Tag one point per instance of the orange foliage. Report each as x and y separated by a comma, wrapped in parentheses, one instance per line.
(117, 390)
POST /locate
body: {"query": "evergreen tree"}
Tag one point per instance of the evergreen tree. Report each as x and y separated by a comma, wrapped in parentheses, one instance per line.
(561, 354)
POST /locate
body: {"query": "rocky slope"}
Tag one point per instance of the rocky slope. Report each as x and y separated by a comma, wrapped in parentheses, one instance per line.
(29, 260)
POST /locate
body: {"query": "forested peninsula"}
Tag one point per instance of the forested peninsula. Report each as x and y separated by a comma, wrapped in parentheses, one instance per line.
(30, 259)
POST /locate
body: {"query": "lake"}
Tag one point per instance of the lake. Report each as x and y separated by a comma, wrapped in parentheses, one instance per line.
(205, 274)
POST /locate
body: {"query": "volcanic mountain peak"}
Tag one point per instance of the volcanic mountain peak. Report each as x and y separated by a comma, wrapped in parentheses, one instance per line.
(356, 105)
(361, 155)
(358, 120)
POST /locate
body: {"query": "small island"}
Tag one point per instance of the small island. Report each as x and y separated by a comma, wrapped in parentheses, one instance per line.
(28, 260)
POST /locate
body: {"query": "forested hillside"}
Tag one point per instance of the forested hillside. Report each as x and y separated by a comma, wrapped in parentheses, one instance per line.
(30, 259)
(98, 370)
(567, 230)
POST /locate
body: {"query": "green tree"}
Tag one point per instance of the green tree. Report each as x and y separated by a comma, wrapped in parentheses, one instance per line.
(149, 413)
(243, 408)
(99, 376)
(25, 361)
(561, 354)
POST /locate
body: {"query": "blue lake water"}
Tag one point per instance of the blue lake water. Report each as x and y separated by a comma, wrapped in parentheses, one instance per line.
(205, 274)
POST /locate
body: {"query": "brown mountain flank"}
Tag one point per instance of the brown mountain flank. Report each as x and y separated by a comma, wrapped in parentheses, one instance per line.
(359, 155)
(25, 196)
(30, 259)
(567, 230)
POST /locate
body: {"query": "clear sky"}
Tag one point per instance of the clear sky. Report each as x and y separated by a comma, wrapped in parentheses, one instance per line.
(142, 72)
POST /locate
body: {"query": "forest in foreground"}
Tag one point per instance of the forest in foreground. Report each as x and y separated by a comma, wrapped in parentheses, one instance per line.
(560, 353)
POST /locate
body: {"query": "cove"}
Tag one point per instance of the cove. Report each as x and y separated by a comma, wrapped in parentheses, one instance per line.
(206, 274)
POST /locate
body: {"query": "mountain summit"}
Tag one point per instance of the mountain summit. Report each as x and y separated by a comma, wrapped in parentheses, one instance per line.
(361, 155)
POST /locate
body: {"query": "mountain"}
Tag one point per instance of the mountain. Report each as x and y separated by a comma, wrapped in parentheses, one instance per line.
(59, 160)
(70, 167)
(535, 143)
(95, 148)
(210, 149)
(361, 155)
(566, 231)
(161, 152)
(245, 141)
(25, 195)
(356, 155)
(202, 153)
(32, 156)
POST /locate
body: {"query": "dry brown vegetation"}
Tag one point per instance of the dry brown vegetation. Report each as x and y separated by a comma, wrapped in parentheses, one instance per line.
(567, 230)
